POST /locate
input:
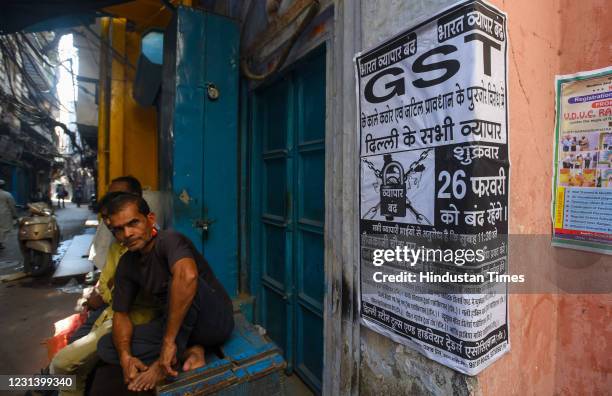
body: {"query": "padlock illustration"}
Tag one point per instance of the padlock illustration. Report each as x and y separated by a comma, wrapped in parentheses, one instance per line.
(393, 189)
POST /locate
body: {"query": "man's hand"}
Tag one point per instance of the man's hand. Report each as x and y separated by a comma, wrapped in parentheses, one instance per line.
(94, 301)
(131, 368)
(167, 357)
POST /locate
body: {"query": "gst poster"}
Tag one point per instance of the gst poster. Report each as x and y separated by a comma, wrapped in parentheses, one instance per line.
(434, 165)
(582, 178)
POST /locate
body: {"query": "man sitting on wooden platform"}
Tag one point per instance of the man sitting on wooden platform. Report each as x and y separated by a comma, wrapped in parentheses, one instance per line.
(167, 266)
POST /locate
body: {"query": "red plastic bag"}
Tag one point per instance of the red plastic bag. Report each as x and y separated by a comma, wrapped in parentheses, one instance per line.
(63, 330)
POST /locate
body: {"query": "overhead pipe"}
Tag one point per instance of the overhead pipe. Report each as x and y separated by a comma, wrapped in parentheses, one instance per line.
(244, 66)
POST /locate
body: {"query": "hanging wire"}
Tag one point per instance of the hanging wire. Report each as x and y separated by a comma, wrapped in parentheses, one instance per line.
(121, 58)
(36, 51)
(90, 45)
(28, 106)
(10, 49)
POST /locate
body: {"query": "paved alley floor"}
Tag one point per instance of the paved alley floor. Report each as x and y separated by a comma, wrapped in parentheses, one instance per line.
(29, 307)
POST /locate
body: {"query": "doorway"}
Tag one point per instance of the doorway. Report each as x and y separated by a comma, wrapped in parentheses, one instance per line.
(287, 213)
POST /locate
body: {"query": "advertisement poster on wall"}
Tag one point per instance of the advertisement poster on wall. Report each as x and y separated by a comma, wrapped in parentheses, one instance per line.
(582, 169)
(434, 186)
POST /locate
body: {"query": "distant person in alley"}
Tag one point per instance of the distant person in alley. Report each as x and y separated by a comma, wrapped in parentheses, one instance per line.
(61, 194)
(197, 310)
(78, 195)
(8, 213)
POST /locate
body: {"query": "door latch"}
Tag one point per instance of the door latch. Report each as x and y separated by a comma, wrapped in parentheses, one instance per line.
(204, 225)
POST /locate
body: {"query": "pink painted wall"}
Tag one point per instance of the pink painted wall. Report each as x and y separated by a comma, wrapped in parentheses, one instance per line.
(560, 341)
(585, 332)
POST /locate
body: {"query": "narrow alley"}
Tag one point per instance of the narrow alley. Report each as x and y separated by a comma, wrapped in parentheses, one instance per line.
(30, 306)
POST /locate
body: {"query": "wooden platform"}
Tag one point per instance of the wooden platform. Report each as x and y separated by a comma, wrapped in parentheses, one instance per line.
(247, 364)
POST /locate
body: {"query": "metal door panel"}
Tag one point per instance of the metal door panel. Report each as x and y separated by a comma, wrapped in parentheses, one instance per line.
(310, 183)
(312, 171)
(201, 170)
(188, 128)
(274, 166)
(276, 116)
(276, 317)
(220, 156)
(275, 182)
(288, 178)
(309, 354)
(274, 254)
(311, 84)
(310, 274)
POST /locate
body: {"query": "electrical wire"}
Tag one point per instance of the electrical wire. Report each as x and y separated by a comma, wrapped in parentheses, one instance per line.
(41, 57)
(10, 52)
(37, 52)
(90, 48)
(121, 58)
(34, 112)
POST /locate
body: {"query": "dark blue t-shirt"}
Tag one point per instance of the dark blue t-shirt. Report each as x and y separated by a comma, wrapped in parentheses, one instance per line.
(150, 272)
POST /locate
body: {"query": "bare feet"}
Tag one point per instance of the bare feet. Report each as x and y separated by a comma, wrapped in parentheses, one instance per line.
(194, 358)
(147, 379)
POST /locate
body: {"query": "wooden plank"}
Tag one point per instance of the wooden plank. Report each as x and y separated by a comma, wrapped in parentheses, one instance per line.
(202, 386)
(13, 277)
(75, 260)
(265, 366)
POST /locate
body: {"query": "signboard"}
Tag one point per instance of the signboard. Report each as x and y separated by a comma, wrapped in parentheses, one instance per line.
(582, 181)
(433, 122)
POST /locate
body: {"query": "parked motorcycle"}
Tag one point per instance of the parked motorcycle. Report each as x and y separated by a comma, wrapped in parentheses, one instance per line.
(39, 236)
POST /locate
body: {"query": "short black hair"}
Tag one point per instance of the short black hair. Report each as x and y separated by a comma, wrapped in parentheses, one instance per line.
(119, 200)
(134, 185)
(108, 198)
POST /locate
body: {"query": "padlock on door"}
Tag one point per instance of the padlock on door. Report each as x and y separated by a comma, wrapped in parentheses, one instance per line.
(393, 189)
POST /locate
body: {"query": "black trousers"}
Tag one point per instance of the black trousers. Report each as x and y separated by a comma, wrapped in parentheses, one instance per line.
(208, 322)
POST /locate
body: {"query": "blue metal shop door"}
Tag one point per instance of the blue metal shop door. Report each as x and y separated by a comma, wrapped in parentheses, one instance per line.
(199, 139)
(288, 213)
